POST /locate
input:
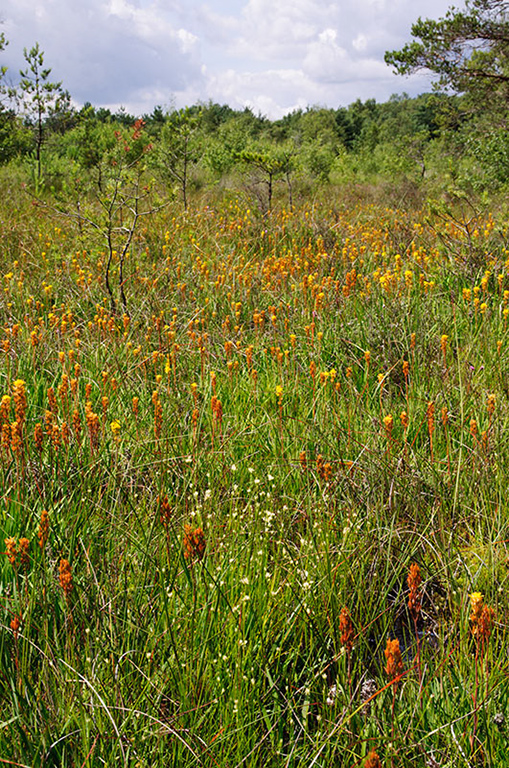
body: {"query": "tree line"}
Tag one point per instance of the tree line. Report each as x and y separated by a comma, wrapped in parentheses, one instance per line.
(458, 132)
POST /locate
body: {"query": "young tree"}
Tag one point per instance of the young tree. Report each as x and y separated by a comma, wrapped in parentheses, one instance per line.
(120, 198)
(39, 97)
(468, 50)
(178, 150)
(269, 163)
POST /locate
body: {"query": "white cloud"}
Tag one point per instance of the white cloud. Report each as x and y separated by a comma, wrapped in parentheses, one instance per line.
(360, 43)
(274, 55)
(106, 52)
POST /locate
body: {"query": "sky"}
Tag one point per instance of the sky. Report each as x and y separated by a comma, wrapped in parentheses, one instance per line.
(274, 56)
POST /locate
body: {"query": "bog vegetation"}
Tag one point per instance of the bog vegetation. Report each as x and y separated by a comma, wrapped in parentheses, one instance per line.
(254, 436)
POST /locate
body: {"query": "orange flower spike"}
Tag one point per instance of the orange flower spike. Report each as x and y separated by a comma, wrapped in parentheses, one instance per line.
(373, 760)
(52, 401)
(388, 424)
(443, 345)
(24, 546)
(394, 665)
(414, 582)
(43, 532)
(193, 543)
(10, 550)
(346, 629)
(476, 608)
(76, 425)
(38, 436)
(15, 625)
(485, 624)
(6, 436)
(65, 577)
(20, 400)
(63, 387)
(199, 543)
(164, 510)
(5, 408)
(219, 412)
(16, 437)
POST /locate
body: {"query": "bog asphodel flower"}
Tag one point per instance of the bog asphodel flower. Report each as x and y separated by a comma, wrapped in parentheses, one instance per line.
(5, 408)
(43, 532)
(443, 344)
(38, 436)
(20, 400)
(115, 429)
(10, 550)
(346, 629)
(194, 543)
(414, 581)
(394, 664)
(481, 617)
(373, 760)
(164, 510)
(65, 577)
(476, 605)
(24, 546)
(388, 424)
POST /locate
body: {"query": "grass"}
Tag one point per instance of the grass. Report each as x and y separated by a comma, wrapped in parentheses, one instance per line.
(221, 475)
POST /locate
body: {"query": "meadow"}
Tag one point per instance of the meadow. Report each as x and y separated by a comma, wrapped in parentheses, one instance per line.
(258, 515)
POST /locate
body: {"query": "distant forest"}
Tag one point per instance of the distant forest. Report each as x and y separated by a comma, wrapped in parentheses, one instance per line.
(455, 138)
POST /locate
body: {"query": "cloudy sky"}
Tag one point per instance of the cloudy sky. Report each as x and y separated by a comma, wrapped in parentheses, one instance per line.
(271, 55)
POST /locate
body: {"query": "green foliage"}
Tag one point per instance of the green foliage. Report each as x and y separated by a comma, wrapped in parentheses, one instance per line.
(270, 163)
(39, 97)
(468, 51)
(15, 139)
(179, 148)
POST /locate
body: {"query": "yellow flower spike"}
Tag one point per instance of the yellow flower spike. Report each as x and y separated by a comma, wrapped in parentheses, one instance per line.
(115, 428)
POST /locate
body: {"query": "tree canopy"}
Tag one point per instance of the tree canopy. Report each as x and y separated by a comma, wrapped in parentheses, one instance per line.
(468, 50)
